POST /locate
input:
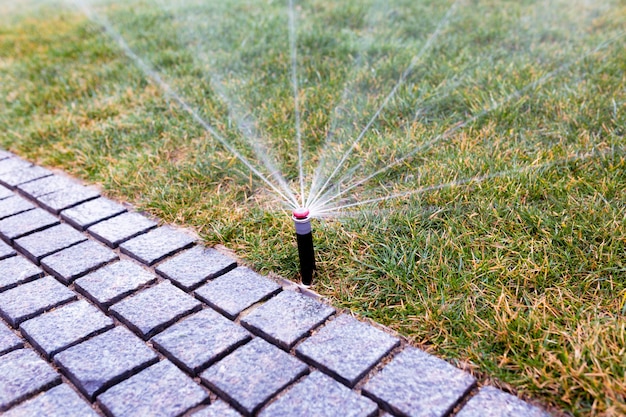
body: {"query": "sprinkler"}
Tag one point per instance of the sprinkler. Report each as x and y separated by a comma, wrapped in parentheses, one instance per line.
(305, 244)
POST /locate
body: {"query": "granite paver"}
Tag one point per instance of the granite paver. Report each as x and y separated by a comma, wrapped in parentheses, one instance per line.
(22, 374)
(65, 326)
(287, 318)
(195, 266)
(28, 300)
(217, 409)
(13, 164)
(14, 205)
(6, 251)
(21, 176)
(252, 374)
(104, 360)
(77, 260)
(237, 290)
(121, 228)
(25, 223)
(321, 396)
(113, 282)
(153, 309)
(60, 401)
(157, 244)
(91, 212)
(162, 390)
(5, 193)
(41, 244)
(17, 270)
(347, 348)
(200, 339)
(43, 186)
(417, 384)
(491, 402)
(8, 340)
(67, 197)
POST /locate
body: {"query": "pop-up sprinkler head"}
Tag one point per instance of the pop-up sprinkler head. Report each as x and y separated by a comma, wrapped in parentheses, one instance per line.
(305, 244)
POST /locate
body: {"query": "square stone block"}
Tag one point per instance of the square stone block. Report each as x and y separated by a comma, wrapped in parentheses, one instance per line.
(22, 374)
(121, 228)
(287, 318)
(41, 244)
(237, 290)
(157, 244)
(91, 212)
(45, 185)
(14, 205)
(67, 197)
(162, 390)
(199, 340)
(417, 384)
(104, 360)
(491, 402)
(153, 309)
(25, 223)
(17, 270)
(217, 409)
(64, 327)
(252, 374)
(113, 282)
(347, 348)
(5, 193)
(8, 340)
(320, 395)
(21, 176)
(193, 267)
(6, 251)
(77, 260)
(60, 401)
(28, 300)
(12, 164)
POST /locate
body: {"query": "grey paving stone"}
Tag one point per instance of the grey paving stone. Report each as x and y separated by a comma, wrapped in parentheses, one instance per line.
(217, 409)
(287, 318)
(156, 244)
(17, 270)
(8, 340)
(321, 396)
(22, 374)
(78, 260)
(14, 205)
(237, 290)
(415, 384)
(5, 193)
(41, 244)
(12, 164)
(25, 223)
(252, 374)
(491, 402)
(44, 186)
(91, 212)
(200, 339)
(192, 268)
(161, 390)
(21, 176)
(113, 282)
(347, 348)
(60, 401)
(28, 300)
(6, 154)
(104, 360)
(67, 197)
(121, 228)
(6, 251)
(64, 327)
(153, 309)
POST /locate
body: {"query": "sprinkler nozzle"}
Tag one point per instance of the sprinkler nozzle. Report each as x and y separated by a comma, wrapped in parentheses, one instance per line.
(304, 237)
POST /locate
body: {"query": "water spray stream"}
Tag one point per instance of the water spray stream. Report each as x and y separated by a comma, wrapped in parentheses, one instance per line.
(286, 194)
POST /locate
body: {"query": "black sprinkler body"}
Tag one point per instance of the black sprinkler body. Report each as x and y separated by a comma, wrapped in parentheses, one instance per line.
(304, 236)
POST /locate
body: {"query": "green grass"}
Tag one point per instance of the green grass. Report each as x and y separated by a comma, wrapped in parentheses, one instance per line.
(519, 278)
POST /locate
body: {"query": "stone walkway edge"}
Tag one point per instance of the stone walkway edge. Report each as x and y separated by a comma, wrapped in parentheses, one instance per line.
(106, 312)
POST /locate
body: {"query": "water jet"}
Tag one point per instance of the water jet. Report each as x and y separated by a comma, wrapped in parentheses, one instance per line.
(304, 235)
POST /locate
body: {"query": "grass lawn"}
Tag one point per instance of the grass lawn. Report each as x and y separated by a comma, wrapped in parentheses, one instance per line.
(468, 157)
